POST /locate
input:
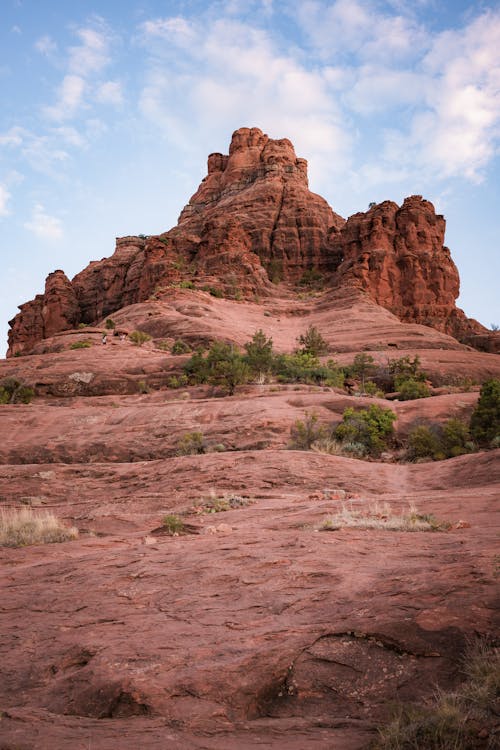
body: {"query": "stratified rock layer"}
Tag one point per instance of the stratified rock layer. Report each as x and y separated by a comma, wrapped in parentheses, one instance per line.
(252, 223)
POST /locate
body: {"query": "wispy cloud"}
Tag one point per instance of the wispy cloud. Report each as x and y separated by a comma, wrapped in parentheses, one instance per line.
(46, 45)
(44, 226)
(110, 92)
(69, 98)
(226, 73)
(84, 63)
(4, 201)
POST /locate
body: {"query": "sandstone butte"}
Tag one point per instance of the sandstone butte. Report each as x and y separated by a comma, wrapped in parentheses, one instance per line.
(255, 629)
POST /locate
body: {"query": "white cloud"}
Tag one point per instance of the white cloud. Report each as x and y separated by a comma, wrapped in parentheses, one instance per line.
(4, 200)
(13, 137)
(227, 74)
(69, 98)
(45, 227)
(92, 55)
(110, 92)
(46, 45)
(456, 130)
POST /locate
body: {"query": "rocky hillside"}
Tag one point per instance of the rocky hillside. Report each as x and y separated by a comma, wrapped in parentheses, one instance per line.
(269, 547)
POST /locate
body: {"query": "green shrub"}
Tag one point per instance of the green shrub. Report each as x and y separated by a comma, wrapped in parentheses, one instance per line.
(13, 391)
(372, 427)
(214, 291)
(312, 342)
(362, 367)
(190, 444)
(455, 437)
(303, 367)
(372, 389)
(275, 271)
(80, 345)
(311, 279)
(178, 382)
(222, 367)
(259, 353)
(173, 524)
(424, 442)
(411, 389)
(485, 419)
(180, 347)
(439, 442)
(143, 387)
(110, 324)
(186, 284)
(304, 433)
(139, 337)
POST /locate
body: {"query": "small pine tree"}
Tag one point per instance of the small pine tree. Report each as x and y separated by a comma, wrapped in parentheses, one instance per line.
(312, 342)
(259, 353)
(485, 419)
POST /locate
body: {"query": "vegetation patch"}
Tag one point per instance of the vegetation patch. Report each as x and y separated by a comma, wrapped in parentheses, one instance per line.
(191, 444)
(20, 528)
(214, 503)
(455, 720)
(80, 345)
(485, 419)
(139, 337)
(173, 525)
(14, 391)
(381, 516)
(437, 442)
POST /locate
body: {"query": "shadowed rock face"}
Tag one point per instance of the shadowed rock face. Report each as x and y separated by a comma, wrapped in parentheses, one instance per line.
(254, 221)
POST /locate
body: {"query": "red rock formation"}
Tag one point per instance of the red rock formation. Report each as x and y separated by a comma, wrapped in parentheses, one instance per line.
(397, 255)
(55, 310)
(254, 221)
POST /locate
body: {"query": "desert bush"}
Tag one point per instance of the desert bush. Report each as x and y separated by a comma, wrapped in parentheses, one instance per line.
(173, 524)
(110, 324)
(20, 528)
(363, 367)
(223, 366)
(139, 337)
(411, 389)
(311, 279)
(214, 291)
(455, 437)
(214, 503)
(424, 442)
(312, 342)
(80, 345)
(190, 444)
(14, 391)
(450, 721)
(186, 284)
(180, 381)
(305, 432)
(372, 427)
(143, 387)
(485, 419)
(372, 389)
(180, 347)
(303, 367)
(275, 271)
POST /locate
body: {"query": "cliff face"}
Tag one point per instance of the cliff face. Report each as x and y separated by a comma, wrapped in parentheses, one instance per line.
(397, 254)
(253, 221)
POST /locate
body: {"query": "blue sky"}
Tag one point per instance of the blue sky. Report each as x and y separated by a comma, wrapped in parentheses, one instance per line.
(110, 108)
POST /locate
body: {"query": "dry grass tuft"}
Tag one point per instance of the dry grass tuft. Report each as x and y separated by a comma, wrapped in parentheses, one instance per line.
(20, 528)
(460, 720)
(381, 516)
